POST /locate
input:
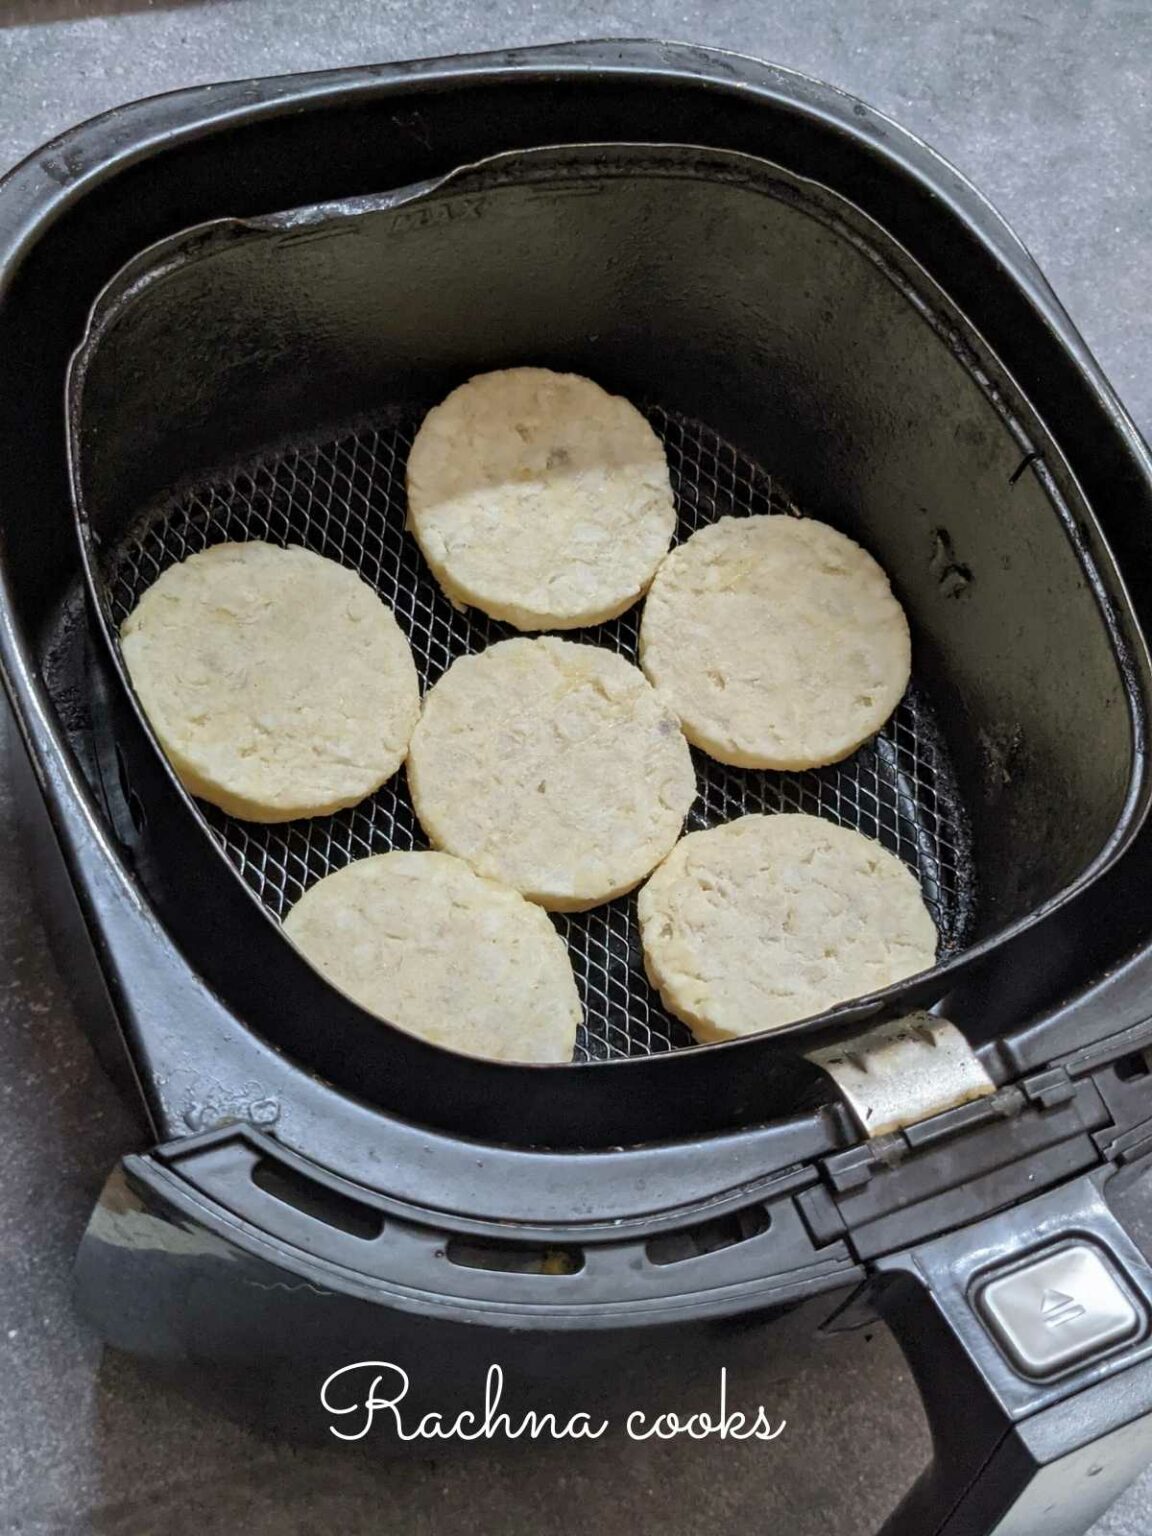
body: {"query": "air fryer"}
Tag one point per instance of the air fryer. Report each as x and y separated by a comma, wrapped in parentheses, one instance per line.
(259, 288)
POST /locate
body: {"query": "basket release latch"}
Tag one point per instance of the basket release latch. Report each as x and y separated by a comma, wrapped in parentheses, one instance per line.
(904, 1071)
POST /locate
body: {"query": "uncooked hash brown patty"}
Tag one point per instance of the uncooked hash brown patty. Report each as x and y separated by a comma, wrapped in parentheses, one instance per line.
(776, 640)
(540, 498)
(553, 767)
(277, 682)
(767, 920)
(421, 940)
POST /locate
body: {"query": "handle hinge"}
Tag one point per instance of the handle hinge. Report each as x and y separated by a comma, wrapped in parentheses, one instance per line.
(905, 1072)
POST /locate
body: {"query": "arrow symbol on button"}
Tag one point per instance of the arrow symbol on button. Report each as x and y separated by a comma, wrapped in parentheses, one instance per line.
(1056, 1309)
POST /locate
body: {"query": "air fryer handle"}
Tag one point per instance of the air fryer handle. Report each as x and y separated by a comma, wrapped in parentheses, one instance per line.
(1017, 1453)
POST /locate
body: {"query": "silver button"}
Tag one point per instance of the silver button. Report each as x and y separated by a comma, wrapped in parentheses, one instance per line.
(1058, 1310)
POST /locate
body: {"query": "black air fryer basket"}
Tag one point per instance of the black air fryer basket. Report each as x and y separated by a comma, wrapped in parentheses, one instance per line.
(819, 317)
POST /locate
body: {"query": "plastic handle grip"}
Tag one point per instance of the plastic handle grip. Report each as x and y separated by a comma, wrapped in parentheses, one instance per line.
(1015, 1455)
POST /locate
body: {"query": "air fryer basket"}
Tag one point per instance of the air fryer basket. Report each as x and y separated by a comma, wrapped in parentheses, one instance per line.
(320, 1179)
(263, 380)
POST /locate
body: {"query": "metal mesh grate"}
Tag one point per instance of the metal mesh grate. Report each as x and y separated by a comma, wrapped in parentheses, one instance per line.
(344, 498)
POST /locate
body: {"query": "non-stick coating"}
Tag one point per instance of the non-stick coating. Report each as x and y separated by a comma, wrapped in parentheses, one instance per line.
(344, 498)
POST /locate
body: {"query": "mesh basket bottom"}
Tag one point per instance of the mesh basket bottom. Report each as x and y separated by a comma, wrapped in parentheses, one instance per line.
(344, 498)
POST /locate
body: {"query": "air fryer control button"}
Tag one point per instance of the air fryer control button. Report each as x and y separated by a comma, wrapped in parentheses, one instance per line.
(1058, 1310)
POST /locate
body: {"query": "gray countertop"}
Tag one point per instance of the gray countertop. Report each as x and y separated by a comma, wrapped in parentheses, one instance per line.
(1048, 108)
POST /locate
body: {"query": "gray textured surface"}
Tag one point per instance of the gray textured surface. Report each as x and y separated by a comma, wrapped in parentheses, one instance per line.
(1049, 109)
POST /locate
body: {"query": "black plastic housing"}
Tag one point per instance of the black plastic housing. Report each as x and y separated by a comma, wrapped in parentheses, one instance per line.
(769, 304)
(228, 1244)
(76, 212)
